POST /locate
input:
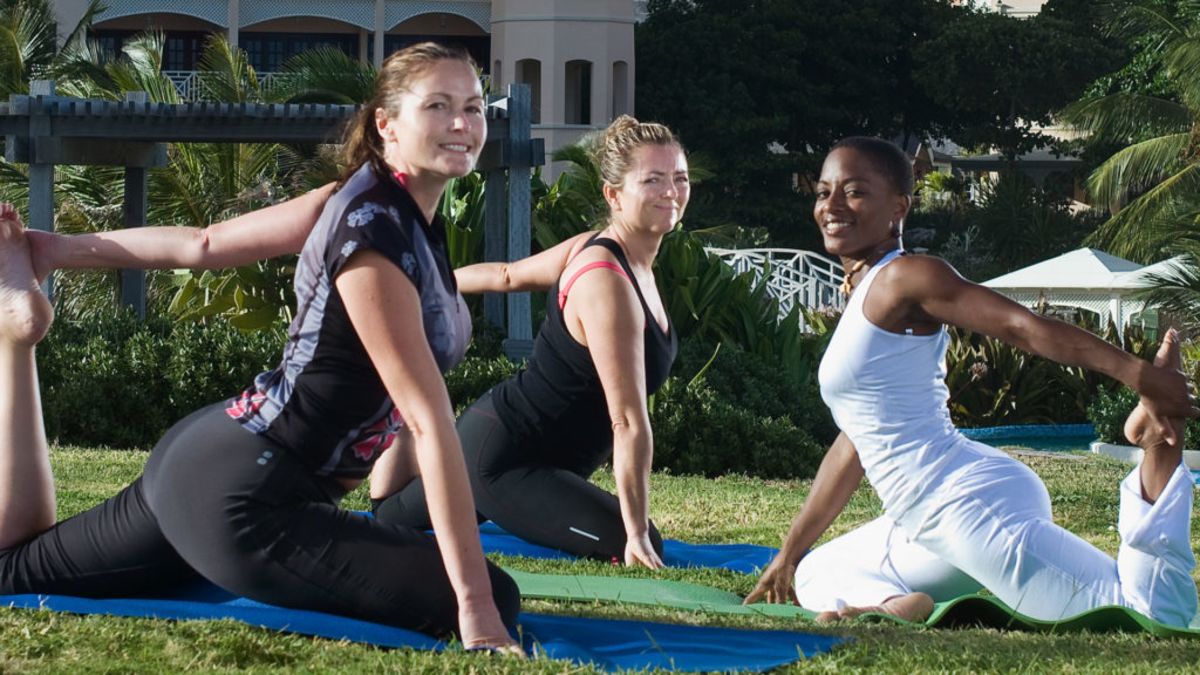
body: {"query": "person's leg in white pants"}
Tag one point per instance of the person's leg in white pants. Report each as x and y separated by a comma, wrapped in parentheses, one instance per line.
(872, 564)
(992, 523)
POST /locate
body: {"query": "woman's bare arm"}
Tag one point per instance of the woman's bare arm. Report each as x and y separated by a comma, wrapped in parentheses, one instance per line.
(608, 313)
(535, 273)
(266, 233)
(935, 290)
(837, 478)
(385, 310)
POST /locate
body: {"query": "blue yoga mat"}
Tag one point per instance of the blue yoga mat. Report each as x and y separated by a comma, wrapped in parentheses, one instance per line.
(744, 558)
(607, 644)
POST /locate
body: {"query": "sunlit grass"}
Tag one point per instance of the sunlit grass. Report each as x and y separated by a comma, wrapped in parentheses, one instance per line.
(729, 509)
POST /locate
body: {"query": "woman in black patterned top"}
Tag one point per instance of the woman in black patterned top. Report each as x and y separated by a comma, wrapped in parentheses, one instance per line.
(245, 492)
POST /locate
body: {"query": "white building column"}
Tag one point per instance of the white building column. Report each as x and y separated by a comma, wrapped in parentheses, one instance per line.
(556, 32)
(380, 30)
(234, 23)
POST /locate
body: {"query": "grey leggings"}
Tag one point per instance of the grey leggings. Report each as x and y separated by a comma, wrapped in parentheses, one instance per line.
(225, 504)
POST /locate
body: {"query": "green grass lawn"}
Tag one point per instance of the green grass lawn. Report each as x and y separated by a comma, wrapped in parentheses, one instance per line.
(731, 509)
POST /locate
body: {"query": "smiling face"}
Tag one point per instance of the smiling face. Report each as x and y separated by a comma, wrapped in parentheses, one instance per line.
(655, 189)
(439, 127)
(858, 208)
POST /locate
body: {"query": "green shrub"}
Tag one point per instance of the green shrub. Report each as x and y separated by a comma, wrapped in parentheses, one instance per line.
(743, 414)
(122, 382)
(757, 383)
(474, 376)
(697, 432)
(1110, 406)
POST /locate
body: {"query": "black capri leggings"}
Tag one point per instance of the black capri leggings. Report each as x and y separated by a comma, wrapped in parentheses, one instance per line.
(542, 496)
(231, 506)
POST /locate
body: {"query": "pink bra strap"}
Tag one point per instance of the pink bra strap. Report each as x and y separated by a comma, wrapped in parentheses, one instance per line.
(562, 292)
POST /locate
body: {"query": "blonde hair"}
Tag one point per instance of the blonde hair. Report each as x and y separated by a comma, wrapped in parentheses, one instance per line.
(361, 142)
(614, 149)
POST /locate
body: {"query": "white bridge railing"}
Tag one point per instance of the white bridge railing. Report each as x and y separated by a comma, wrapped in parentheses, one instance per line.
(793, 277)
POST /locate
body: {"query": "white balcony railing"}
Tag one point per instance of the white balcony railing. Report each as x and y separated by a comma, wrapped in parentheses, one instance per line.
(187, 82)
(793, 277)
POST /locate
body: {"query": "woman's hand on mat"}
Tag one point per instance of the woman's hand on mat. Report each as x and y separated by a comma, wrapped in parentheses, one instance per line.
(776, 584)
(639, 551)
(483, 630)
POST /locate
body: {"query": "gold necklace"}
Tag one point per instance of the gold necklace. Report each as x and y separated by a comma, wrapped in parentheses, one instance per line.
(847, 284)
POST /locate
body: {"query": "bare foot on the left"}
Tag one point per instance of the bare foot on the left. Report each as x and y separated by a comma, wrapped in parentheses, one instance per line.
(913, 607)
(25, 313)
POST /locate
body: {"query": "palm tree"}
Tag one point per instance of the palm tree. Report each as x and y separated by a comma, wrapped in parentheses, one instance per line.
(29, 51)
(201, 183)
(29, 42)
(1155, 179)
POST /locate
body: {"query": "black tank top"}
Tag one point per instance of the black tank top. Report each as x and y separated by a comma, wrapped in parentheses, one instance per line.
(557, 402)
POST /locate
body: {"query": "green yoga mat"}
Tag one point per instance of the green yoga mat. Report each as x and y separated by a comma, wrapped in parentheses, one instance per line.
(968, 610)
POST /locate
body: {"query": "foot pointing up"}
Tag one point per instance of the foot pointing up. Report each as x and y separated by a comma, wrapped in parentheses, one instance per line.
(25, 313)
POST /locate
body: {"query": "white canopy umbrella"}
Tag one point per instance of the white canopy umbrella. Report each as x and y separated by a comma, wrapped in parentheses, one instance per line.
(1086, 278)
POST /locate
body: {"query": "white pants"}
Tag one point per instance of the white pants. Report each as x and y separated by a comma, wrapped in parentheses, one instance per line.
(990, 521)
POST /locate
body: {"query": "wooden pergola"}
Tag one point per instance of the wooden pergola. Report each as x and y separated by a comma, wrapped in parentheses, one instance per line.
(44, 130)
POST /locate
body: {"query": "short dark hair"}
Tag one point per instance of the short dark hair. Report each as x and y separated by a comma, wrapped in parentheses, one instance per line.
(887, 157)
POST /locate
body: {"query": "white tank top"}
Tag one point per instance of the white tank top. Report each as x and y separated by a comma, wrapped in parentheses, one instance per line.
(888, 392)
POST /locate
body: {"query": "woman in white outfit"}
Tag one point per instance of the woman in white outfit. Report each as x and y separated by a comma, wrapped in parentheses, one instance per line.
(959, 514)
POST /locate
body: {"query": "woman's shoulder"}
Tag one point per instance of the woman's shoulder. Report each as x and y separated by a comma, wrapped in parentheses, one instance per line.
(919, 274)
(919, 264)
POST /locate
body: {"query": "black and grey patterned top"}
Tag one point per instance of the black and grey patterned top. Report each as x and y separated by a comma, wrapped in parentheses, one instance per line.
(325, 402)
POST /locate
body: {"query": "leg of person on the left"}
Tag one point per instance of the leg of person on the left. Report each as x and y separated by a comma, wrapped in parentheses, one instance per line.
(256, 521)
(112, 549)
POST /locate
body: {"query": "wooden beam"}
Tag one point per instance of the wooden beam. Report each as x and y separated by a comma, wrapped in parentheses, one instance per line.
(520, 317)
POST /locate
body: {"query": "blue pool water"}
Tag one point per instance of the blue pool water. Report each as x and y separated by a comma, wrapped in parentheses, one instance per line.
(1048, 437)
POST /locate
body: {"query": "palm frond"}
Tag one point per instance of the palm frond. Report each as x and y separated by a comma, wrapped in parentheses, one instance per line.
(27, 45)
(1125, 117)
(1176, 289)
(140, 69)
(81, 70)
(1145, 20)
(323, 76)
(14, 185)
(1137, 167)
(78, 34)
(1183, 62)
(228, 76)
(1150, 225)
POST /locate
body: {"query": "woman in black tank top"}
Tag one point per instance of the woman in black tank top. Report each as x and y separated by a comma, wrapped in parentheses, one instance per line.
(533, 441)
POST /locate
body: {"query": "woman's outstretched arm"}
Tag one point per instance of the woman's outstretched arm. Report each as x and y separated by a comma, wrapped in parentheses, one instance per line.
(936, 292)
(384, 308)
(535, 273)
(266, 233)
(837, 478)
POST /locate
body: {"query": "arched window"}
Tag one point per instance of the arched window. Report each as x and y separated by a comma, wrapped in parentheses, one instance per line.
(529, 71)
(620, 88)
(578, 92)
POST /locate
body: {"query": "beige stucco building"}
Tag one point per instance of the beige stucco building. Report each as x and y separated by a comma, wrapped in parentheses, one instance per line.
(1017, 8)
(576, 55)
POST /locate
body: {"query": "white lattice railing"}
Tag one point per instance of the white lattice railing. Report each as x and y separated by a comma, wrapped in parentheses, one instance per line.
(187, 82)
(793, 277)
